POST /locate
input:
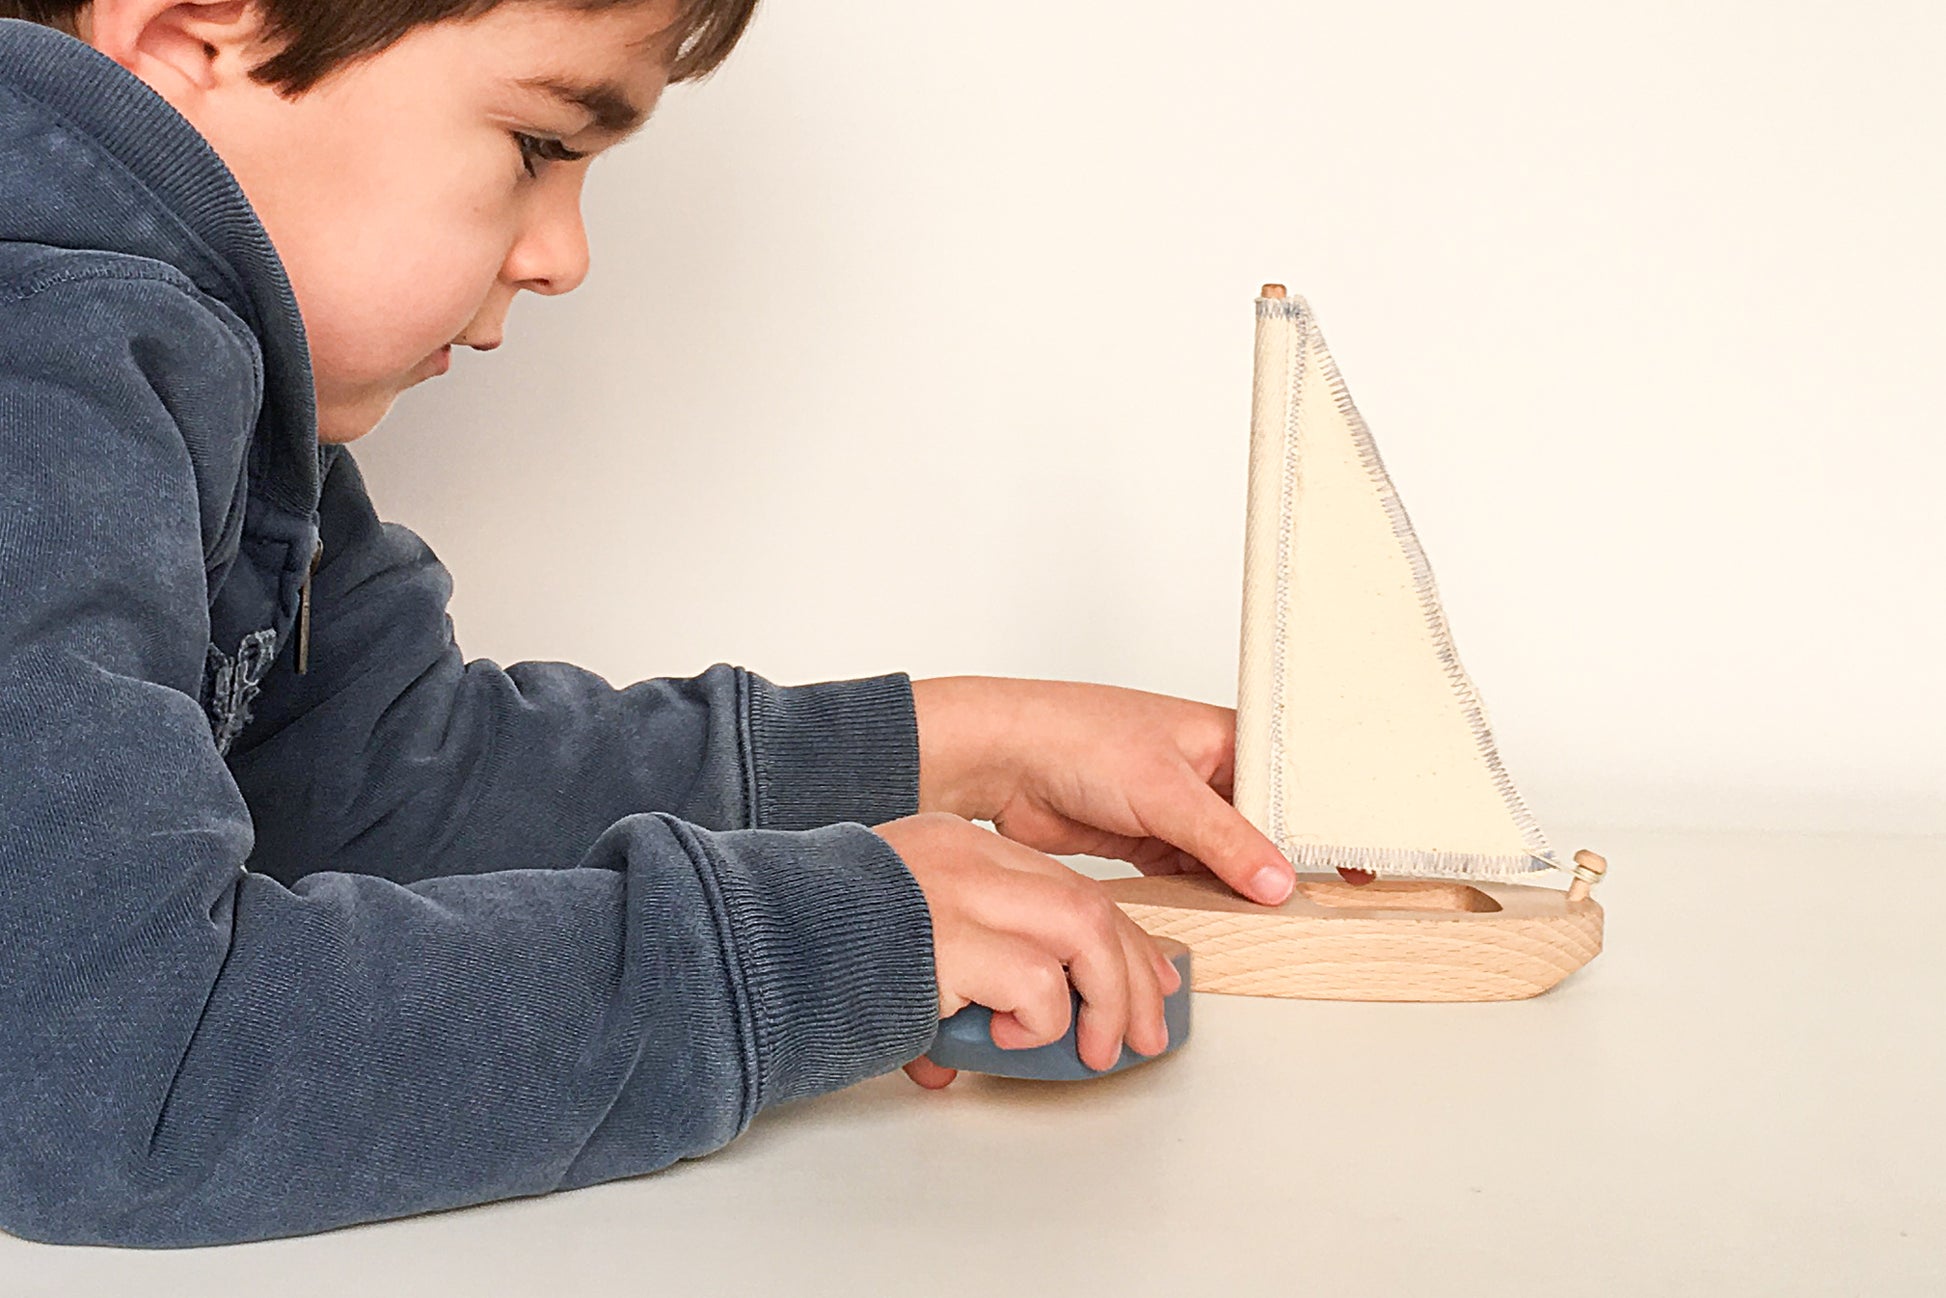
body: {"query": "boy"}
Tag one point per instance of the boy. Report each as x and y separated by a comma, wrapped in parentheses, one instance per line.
(304, 919)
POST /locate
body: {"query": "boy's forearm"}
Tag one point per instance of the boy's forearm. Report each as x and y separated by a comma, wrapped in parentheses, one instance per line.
(963, 724)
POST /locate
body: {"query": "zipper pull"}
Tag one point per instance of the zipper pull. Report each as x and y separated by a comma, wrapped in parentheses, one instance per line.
(304, 612)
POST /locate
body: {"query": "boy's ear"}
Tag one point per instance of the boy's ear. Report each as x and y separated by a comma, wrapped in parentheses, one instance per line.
(181, 48)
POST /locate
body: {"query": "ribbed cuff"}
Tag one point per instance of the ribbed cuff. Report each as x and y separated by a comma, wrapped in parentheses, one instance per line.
(832, 752)
(834, 942)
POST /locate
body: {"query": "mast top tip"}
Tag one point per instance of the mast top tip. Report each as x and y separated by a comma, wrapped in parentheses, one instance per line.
(1273, 290)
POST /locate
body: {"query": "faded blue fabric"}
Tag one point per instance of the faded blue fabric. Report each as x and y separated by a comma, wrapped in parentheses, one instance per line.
(284, 952)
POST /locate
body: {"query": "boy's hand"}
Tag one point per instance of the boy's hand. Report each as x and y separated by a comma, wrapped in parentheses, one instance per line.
(1071, 767)
(1005, 920)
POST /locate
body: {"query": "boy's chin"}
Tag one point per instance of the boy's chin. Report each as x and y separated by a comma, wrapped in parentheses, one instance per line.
(340, 424)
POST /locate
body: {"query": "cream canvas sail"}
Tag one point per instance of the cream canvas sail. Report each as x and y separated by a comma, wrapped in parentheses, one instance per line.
(1361, 741)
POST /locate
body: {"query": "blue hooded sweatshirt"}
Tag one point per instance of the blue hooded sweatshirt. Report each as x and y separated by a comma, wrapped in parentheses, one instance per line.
(285, 949)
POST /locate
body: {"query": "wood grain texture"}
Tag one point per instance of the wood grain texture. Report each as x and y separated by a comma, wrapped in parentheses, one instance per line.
(1393, 940)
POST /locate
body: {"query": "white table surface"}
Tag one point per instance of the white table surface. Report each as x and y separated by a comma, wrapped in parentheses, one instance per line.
(1744, 1094)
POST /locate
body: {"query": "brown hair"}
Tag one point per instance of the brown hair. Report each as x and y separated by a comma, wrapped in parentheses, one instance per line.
(317, 37)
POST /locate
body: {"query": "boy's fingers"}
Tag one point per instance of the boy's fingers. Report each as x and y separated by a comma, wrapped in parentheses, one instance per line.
(1009, 1034)
(1069, 917)
(1150, 976)
(1217, 834)
(1019, 979)
(1168, 978)
(1099, 969)
(1147, 1032)
(1035, 862)
(930, 1075)
(1110, 961)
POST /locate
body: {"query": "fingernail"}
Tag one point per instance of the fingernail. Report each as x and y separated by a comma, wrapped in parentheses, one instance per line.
(1273, 883)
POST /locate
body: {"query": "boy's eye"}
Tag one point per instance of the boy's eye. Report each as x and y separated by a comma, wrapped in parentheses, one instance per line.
(533, 146)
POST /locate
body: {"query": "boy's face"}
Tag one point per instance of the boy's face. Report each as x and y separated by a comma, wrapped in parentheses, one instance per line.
(395, 191)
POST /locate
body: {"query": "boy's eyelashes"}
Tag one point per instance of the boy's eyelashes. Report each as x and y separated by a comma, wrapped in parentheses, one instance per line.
(534, 147)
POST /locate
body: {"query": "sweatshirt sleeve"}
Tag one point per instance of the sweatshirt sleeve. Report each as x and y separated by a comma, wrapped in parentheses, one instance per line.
(197, 1053)
(394, 755)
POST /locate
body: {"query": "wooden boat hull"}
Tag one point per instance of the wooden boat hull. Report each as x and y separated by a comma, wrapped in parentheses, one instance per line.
(1391, 940)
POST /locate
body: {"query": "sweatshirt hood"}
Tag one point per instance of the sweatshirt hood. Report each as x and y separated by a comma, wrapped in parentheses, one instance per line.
(92, 157)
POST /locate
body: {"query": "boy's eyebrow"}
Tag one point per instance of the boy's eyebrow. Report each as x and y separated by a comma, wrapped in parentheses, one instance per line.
(614, 112)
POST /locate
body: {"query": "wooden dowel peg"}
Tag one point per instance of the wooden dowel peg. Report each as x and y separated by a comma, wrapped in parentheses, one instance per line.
(1590, 868)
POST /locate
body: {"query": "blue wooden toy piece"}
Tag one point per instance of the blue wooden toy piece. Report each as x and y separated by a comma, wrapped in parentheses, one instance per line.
(965, 1041)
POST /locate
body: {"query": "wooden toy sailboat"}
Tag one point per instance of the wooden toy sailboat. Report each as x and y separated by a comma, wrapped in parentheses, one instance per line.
(1361, 745)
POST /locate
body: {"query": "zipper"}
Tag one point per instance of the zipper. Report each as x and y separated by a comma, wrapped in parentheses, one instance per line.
(304, 611)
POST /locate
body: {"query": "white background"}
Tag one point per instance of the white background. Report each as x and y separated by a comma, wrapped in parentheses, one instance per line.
(919, 338)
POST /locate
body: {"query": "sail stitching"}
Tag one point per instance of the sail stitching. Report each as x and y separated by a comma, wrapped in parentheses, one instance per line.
(1422, 576)
(1393, 862)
